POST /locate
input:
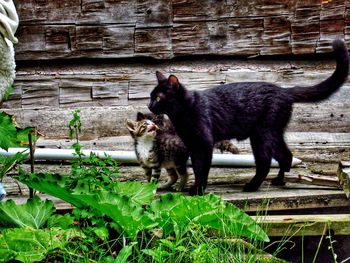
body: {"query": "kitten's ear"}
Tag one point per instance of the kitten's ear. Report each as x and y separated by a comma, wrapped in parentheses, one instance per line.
(140, 116)
(160, 77)
(173, 81)
(130, 125)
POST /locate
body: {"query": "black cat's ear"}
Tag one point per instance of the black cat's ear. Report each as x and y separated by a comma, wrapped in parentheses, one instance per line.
(160, 77)
(173, 81)
(140, 116)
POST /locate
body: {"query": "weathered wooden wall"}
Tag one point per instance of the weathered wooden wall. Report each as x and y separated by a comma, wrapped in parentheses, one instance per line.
(170, 28)
(98, 56)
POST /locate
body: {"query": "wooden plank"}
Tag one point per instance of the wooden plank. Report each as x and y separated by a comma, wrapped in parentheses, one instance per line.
(285, 199)
(205, 10)
(331, 181)
(107, 12)
(45, 94)
(48, 12)
(75, 93)
(110, 94)
(305, 225)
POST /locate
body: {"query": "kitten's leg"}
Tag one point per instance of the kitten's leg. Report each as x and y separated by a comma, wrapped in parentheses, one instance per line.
(262, 149)
(156, 172)
(284, 158)
(201, 161)
(171, 180)
(148, 173)
(183, 174)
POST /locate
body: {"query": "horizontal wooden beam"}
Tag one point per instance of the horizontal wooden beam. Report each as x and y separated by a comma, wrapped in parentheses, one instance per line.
(305, 225)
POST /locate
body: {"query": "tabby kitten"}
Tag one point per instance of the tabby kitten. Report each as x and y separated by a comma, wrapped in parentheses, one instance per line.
(256, 110)
(165, 125)
(156, 149)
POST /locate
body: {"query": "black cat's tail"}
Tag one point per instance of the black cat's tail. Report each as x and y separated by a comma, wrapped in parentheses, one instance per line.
(324, 89)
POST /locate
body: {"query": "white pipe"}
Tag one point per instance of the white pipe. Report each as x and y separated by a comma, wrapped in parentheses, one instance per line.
(241, 160)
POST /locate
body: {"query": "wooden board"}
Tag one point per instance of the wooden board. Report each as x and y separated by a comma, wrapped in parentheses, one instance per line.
(305, 225)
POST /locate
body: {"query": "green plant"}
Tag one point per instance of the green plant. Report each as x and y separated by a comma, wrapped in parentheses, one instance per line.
(30, 245)
(12, 136)
(125, 221)
(32, 214)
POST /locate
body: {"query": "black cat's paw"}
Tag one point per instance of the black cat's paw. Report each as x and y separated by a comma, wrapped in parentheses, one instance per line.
(278, 182)
(249, 187)
(195, 190)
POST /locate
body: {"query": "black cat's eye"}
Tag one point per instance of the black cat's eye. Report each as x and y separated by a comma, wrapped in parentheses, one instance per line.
(157, 99)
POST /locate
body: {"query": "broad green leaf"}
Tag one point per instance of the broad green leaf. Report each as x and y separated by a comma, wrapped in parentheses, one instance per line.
(51, 184)
(8, 132)
(137, 192)
(33, 214)
(6, 255)
(11, 135)
(130, 217)
(65, 221)
(175, 210)
(8, 162)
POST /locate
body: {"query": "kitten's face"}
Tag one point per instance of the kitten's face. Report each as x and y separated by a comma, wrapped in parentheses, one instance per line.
(163, 94)
(144, 128)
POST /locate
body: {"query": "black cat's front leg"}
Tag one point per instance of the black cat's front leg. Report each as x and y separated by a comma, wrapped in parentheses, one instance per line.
(201, 162)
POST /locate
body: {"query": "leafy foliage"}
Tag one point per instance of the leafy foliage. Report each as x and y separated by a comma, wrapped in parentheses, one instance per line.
(29, 245)
(209, 210)
(124, 208)
(10, 134)
(123, 221)
(7, 163)
(8, 131)
(33, 214)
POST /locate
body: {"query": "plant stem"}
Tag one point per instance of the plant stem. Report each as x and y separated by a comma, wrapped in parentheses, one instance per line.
(31, 191)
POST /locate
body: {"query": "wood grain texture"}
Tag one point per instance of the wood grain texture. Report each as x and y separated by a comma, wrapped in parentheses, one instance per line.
(106, 88)
(167, 29)
(97, 56)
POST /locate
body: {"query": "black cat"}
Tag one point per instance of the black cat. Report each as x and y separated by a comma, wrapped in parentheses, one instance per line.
(256, 110)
